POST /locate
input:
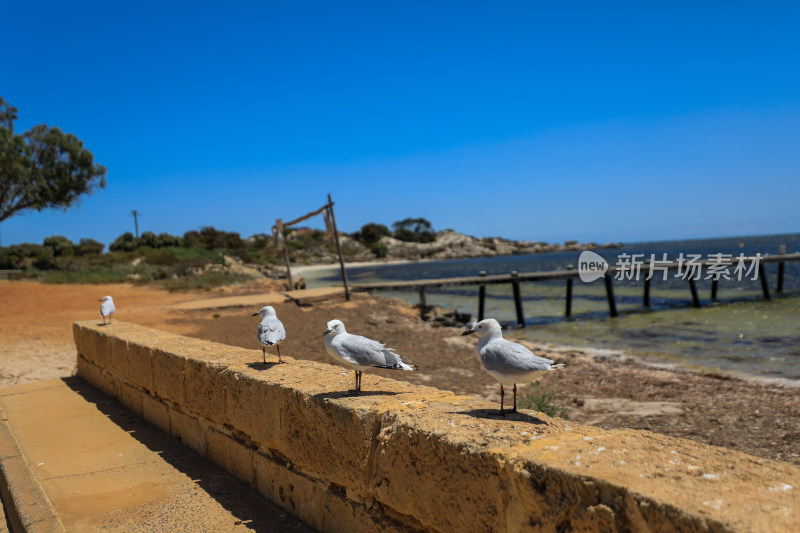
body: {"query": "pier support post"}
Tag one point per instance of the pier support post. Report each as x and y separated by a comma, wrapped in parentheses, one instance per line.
(481, 297)
(568, 310)
(764, 285)
(714, 287)
(517, 297)
(695, 297)
(612, 305)
(781, 268)
(646, 299)
(422, 304)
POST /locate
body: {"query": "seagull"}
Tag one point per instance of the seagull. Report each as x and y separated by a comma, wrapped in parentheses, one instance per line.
(508, 362)
(270, 331)
(357, 352)
(107, 308)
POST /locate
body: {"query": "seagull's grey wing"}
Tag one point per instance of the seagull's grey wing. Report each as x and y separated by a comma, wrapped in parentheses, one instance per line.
(509, 358)
(271, 331)
(366, 352)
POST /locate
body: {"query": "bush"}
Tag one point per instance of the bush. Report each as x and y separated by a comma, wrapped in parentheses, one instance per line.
(212, 239)
(61, 246)
(89, 247)
(371, 233)
(124, 243)
(379, 249)
(544, 400)
(414, 230)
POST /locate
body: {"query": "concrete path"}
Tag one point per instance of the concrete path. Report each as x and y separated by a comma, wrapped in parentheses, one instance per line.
(72, 459)
(257, 301)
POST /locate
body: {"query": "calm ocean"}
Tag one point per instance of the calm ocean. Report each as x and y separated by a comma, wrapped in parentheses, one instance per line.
(741, 334)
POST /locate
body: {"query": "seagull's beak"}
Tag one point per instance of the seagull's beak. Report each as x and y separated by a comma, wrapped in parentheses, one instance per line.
(326, 332)
(255, 314)
(100, 300)
(468, 332)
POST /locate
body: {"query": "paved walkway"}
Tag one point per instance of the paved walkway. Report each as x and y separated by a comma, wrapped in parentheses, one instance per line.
(73, 459)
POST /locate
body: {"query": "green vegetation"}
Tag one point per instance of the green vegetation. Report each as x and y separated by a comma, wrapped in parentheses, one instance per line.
(407, 230)
(545, 400)
(42, 168)
(182, 262)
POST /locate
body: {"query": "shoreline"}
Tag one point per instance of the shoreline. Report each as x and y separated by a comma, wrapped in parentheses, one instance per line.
(356, 264)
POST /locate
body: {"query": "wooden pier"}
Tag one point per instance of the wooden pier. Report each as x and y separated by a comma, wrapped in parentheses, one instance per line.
(569, 274)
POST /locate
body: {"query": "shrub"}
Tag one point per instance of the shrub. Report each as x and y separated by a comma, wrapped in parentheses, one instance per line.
(371, 233)
(124, 243)
(60, 245)
(89, 247)
(545, 400)
(414, 230)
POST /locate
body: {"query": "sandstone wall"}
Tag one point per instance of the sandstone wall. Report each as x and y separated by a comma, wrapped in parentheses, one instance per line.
(403, 457)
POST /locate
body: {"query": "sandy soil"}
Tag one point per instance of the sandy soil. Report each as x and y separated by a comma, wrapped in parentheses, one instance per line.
(760, 419)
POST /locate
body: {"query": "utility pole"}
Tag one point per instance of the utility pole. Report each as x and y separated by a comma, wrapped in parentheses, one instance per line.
(135, 214)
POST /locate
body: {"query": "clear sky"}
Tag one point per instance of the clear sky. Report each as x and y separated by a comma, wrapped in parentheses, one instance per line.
(603, 121)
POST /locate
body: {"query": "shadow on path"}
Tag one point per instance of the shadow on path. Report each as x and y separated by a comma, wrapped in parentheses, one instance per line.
(251, 508)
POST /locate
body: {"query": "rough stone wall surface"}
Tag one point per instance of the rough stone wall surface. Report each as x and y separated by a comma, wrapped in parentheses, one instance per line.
(402, 457)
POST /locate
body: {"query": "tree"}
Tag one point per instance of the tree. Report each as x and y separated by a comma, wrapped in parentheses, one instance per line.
(42, 168)
(413, 230)
(371, 233)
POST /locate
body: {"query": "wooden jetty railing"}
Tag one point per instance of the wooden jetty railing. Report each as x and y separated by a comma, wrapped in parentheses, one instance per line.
(569, 274)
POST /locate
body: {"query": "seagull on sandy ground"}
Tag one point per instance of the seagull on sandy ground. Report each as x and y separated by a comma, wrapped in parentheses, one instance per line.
(508, 362)
(270, 331)
(107, 308)
(358, 352)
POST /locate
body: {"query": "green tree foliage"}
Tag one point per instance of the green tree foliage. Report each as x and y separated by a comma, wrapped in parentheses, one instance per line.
(61, 246)
(42, 168)
(414, 230)
(212, 239)
(89, 247)
(371, 233)
(124, 243)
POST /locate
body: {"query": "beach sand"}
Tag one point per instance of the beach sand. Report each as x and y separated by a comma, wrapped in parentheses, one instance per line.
(755, 418)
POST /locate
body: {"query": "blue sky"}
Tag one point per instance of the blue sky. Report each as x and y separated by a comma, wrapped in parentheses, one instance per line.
(529, 120)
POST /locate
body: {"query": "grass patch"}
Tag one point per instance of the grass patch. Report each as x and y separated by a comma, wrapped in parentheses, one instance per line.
(206, 281)
(93, 275)
(545, 400)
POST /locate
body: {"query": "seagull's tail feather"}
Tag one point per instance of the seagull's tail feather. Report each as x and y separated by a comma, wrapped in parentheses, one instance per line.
(559, 365)
(397, 366)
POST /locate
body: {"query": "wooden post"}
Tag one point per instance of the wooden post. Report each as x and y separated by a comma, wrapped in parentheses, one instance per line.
(568, 310)
(422, 304)
(517, 297)
(339, 251)
(481, 297)
(646, 298)
(764, 286)
(714, 287)
(695, 297)
(612, 305)
(279, 225)
(781, 268)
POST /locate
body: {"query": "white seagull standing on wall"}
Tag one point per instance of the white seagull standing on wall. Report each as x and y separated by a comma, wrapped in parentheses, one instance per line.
(270, 331)
(358, 352)
(107, 308)
(507, 362)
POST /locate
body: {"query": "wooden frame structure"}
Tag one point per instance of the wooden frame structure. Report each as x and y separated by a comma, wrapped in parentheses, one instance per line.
(330, 225)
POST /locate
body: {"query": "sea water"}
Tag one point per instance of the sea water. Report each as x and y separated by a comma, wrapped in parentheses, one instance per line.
(741, 334)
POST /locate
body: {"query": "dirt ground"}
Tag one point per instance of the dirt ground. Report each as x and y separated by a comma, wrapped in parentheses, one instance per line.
(755, 418)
